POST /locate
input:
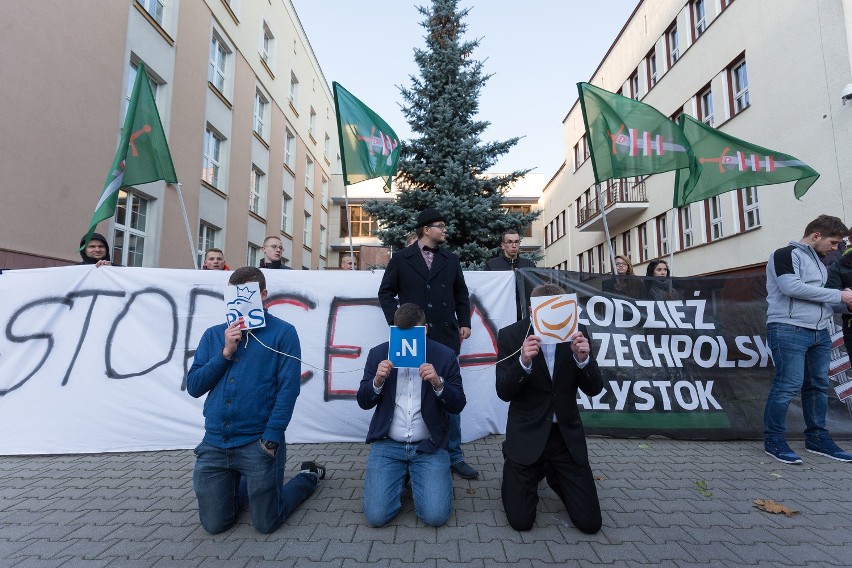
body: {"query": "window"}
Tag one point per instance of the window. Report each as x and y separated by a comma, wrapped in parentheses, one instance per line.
(154, 8)
(547, 236)
(634, 86)
(308, 234)
(261, 104)
(601, 262)
(289, 149)
(312, 123)
(644, 253)
(294, 91)
(662, 236)
(626, 245)
(267, 44)
(585, 147)
(323, 240)
(212, 151)
(286, 213)
(699, 17)
(590, 260)
(705, 107)
(207, 237)
(253, 255)
(309, 175)
(324, 190)
(257, 192)
(131, 80)
(580, 262)
(749, 208)
(131, 221)
(714, 218)
(326, 147)
(672, 44)
(739, 83)
(578, 154)
(687, 236)
(652, 68)
(218, 62)
(363, 224)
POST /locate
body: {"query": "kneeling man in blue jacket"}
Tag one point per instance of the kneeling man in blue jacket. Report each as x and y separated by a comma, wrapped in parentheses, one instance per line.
(409, 431)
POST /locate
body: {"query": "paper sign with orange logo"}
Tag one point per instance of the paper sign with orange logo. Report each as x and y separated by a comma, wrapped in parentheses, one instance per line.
(554, 318)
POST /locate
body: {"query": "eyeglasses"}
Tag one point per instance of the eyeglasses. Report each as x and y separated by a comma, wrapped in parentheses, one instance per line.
(621, 264)
(440, 227)
(512, 242)
(275, 247)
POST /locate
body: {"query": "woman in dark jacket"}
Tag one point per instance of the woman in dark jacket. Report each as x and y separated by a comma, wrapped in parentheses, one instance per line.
(659, 282)
(624, 282)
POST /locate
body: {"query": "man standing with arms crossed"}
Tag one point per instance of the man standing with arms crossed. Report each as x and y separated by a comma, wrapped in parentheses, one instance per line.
(431, 277)
(797, 318)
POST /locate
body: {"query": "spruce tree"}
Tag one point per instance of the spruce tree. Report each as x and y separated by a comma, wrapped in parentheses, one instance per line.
(443, 166)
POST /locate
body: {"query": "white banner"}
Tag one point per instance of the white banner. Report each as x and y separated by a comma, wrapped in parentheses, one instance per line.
(95, 359)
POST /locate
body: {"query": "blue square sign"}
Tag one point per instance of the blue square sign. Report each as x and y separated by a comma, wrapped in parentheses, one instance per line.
(407, 347)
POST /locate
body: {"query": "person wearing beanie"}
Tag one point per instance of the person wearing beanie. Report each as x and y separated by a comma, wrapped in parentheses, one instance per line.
(430, 276)
(96, 251)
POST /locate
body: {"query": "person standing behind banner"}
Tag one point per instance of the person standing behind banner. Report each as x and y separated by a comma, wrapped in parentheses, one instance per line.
(251, 392)
(272, 250)
(798, 314)
(544, 434)
(96, 251)
(659, 282)
(347, 262)
(624, 282)
(409, 431)
(431, 277)
(510, 245)
(214, 259)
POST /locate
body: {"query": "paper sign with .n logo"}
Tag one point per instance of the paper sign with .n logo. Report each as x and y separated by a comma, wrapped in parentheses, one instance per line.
(243, 300)
(407, 346)
(554, 318)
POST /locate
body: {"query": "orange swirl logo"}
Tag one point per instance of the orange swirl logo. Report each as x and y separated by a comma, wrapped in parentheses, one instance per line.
(556, 318)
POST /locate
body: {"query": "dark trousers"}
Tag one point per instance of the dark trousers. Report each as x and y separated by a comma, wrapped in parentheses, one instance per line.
(572, 482)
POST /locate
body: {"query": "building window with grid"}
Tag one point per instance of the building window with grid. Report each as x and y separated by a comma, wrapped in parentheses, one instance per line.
(705, 107)
(323, 241)
(326, 147)
(673, 44)
(363, 224)
(286, 213)
(590, 260)
(208, 235)
(289, 149)
(699, 17)
(257, 191)
(309, 175)
(155, 9)
(131, 80)
(523, 210)
(324, 193)
(218, 64)
(578, 154)
(644, 252)
(687, 233)
(739, 87)
(253, 255)
(580, 262)
(293, 95)
(749, 208)
(309, 229)
(312, 123)
(267, 44)
(212, 153)
(662, 236)
(626, 245)
(585, 147)
(261, 105)
(131, 224)
(634, 86)
(715, 229)
(652, 68)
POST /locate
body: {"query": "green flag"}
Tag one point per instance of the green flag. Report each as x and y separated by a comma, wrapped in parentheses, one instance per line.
(721, 163)
(143, 153)
(628, 138)
(369, 148)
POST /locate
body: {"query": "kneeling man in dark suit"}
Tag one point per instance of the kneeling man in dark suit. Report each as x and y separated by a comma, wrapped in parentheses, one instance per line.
(544, 435)
(409, 431)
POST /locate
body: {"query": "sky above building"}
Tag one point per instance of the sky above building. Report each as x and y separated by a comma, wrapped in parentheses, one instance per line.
(537, 51)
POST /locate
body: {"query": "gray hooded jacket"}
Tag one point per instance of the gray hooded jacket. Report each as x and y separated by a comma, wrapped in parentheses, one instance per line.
(794, 283)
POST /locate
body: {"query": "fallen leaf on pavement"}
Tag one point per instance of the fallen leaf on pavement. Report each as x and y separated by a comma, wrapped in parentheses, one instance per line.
(643, 446)
(771, 506)
(471, 491)
(701, 487)
(600, 478)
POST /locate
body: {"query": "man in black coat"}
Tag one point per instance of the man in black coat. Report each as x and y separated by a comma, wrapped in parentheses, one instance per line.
(432, 277)
(544, 434)
(510, 244)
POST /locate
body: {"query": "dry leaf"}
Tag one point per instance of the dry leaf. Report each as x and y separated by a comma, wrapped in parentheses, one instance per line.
(701, 487)
(771, 506)
(600, 478)
(471, 491)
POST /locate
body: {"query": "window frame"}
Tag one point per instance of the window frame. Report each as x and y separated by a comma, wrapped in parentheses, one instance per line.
(121, 252)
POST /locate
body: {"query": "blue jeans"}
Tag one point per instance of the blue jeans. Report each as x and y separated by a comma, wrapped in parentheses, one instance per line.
(431, 483)
(801, 358)
(217, 476)
(456, 455)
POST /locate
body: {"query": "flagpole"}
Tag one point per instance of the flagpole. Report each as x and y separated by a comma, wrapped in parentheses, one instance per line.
(349, 225)
(671, 242)
(606, 227)
(186, 224)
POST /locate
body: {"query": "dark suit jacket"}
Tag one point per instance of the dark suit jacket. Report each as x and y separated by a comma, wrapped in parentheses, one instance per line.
(503, 263)
(441, 292)
(533, 399)
(433, 408)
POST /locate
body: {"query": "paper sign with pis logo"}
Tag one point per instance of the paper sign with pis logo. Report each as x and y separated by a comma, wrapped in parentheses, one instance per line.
(407, 347)
(244, 301)
(554, 318)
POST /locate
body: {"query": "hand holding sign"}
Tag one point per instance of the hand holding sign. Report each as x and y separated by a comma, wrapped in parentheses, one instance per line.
(530, 348)
(382, 373)
(580, 346)
(232, 338)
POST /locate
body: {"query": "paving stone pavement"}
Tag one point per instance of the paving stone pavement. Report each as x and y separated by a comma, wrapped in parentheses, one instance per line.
(665, 503)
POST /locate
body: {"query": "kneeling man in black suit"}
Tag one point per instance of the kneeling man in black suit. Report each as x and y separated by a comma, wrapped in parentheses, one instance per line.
(544, 435)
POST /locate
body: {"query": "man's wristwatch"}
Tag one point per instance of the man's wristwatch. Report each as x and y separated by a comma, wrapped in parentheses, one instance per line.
(269, 445)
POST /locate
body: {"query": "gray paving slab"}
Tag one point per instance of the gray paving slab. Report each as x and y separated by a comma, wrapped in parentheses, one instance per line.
(138, 510)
